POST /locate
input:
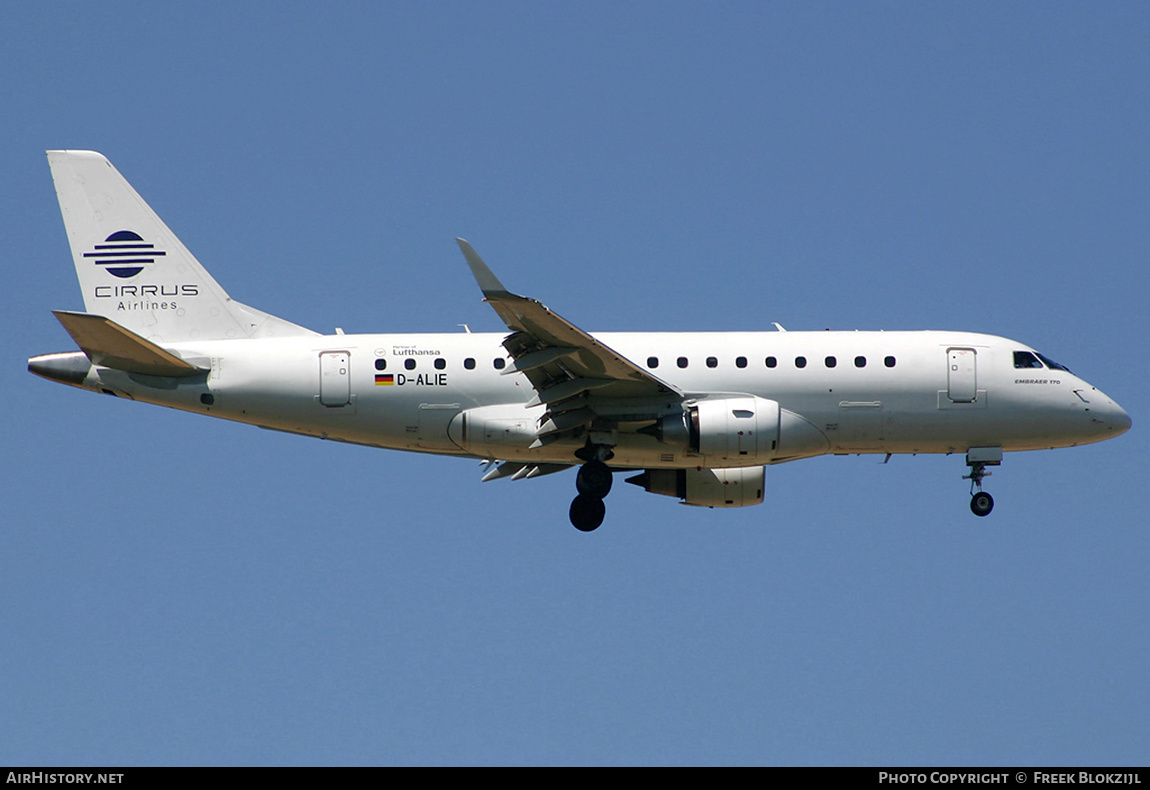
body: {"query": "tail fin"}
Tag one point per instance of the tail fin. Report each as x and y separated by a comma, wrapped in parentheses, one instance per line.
(135, 271)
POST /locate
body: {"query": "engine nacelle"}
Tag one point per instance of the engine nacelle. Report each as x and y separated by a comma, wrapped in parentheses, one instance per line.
(737, 487)
(740, 429)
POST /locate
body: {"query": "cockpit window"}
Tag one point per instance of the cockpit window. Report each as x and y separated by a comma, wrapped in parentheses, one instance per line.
(1050, 363)
(1030, 359)
(1025, 359)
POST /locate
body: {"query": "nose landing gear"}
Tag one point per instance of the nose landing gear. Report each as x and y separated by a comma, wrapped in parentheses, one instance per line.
(978, 458)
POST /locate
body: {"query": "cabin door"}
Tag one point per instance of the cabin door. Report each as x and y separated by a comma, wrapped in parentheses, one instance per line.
(335, 378)
(962, 374)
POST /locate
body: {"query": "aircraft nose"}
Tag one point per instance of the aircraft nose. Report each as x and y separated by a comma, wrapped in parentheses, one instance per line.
(1111, 417)
(1121, 419)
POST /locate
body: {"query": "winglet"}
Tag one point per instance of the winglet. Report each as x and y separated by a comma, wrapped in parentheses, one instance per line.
(488, 282)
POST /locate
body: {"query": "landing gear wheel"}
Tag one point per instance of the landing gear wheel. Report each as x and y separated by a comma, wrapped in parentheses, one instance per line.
(594, 479)
(587, 512)
(981, 504)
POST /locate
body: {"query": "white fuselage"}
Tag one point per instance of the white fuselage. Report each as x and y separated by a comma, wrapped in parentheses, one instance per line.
(699, 415)
(865, 392)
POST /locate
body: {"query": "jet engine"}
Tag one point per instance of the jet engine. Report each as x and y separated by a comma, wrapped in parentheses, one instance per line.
(742, 430)
(738, 487)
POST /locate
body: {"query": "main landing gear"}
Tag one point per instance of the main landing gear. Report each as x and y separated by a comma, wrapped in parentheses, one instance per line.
(593, 483)
(978, 458)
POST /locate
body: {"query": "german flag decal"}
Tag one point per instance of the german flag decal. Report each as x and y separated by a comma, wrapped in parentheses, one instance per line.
(384, 379)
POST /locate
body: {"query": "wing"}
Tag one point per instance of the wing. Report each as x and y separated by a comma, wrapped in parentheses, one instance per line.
(581, 381)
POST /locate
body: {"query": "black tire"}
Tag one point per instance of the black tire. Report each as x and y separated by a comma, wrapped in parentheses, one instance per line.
(587, 513)
(594, 479)
(981, 504)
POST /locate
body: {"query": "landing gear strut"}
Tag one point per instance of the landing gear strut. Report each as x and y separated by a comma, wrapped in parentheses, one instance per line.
(593, 483)
(978, 458)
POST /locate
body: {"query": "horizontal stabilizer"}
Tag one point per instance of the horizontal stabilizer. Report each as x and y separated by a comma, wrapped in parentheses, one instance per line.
(107, 343)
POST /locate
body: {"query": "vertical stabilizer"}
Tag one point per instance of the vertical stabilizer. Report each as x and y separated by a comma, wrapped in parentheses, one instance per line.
(135, 271)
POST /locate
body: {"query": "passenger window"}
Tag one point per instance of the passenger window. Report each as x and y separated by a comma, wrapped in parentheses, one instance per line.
(469, 363)
(831, 362)
(740, 362)
(440, 363)
(500, 363)
(800, 362)
(652, 362)
(860, 362)
(772, 362)
(889, 362)
(681, 362)
(409, 363)
(712, 362)
(1024, 359)
(381, 364)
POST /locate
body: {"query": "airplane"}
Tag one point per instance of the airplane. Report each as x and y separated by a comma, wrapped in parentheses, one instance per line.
(695, 416)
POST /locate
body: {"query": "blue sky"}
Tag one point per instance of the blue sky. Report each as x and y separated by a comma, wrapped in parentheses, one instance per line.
(178, 590)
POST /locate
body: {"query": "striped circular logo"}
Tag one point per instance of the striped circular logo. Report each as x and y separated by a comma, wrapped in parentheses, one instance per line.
(124, 254)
